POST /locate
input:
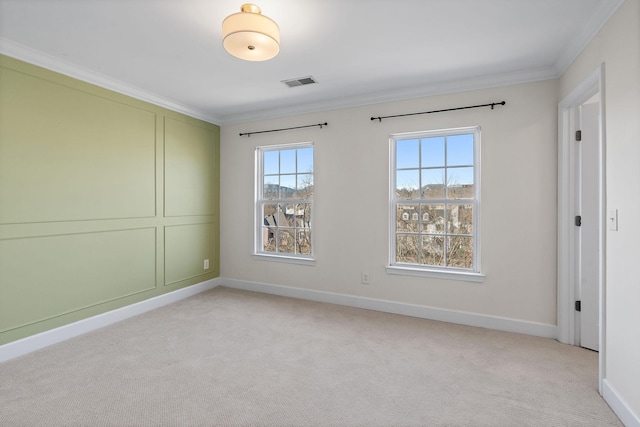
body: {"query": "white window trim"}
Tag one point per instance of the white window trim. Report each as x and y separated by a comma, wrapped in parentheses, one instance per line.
(295, 259)
(258, 253)
(471, 275)
(462, 275)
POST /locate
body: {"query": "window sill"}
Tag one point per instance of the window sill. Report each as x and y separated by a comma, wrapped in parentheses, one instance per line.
(286, 259)
(436, 274)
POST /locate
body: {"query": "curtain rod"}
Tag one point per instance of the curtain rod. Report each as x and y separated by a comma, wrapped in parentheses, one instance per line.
(280, 130)
(493, 104)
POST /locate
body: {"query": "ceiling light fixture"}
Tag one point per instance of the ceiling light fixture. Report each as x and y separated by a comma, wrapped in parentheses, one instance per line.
(250, 35)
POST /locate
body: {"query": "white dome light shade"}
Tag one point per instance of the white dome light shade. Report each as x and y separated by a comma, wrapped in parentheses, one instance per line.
(251, 36)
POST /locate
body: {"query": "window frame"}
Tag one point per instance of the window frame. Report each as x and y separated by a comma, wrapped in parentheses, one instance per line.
(441, 272)
(259, 200)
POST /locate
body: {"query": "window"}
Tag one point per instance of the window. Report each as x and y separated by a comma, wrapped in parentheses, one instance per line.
(284, 202)
(435, 189)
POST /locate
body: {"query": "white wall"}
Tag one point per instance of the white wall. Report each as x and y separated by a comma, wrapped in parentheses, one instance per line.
(618, 47)
(518, 214)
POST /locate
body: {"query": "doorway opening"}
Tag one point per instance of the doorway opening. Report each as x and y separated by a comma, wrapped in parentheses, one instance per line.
(581, 218)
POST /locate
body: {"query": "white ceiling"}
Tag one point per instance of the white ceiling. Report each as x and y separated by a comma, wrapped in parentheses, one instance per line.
(360, 51)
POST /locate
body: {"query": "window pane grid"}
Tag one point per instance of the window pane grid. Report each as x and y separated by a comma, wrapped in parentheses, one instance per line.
(288, 228)
(285, 201)
(422, 236)
(435, 201)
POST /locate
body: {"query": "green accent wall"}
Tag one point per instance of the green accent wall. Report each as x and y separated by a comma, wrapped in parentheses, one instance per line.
(105, 200)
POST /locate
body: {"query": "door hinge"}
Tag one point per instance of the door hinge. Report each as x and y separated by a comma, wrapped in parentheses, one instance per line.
(578, 221)
(578, 305)
(578, 135)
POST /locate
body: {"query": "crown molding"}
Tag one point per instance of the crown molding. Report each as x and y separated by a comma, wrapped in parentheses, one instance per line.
(440, 88)
(569, 54)
(40, 59)
(581, 39)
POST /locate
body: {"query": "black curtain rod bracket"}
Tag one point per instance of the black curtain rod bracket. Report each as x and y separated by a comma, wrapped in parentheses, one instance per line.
(492, 105)
(280, 130)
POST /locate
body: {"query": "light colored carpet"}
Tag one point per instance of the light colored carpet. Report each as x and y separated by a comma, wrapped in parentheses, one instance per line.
(235, 358)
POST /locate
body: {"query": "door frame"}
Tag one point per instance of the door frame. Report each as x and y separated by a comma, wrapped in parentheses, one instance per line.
(567, 187)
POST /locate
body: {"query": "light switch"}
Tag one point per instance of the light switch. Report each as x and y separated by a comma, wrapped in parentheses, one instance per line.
(612, 219)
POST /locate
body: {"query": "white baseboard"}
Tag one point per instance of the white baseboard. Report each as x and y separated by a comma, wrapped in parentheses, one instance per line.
(425, 312)
(36, 342)
(619, 406)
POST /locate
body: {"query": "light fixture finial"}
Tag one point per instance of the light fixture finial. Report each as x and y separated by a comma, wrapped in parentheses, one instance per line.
(250, 35)
(250, 8)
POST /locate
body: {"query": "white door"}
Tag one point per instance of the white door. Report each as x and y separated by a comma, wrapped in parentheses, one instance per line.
(587, 207)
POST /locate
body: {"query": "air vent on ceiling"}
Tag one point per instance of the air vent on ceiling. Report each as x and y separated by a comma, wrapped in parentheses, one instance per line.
(302, 81)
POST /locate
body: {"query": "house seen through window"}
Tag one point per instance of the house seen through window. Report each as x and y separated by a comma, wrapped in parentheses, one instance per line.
(284, 200)
(434, 200)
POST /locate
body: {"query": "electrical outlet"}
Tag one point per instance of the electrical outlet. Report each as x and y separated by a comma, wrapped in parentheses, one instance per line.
(365, 278)
(206, 264)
